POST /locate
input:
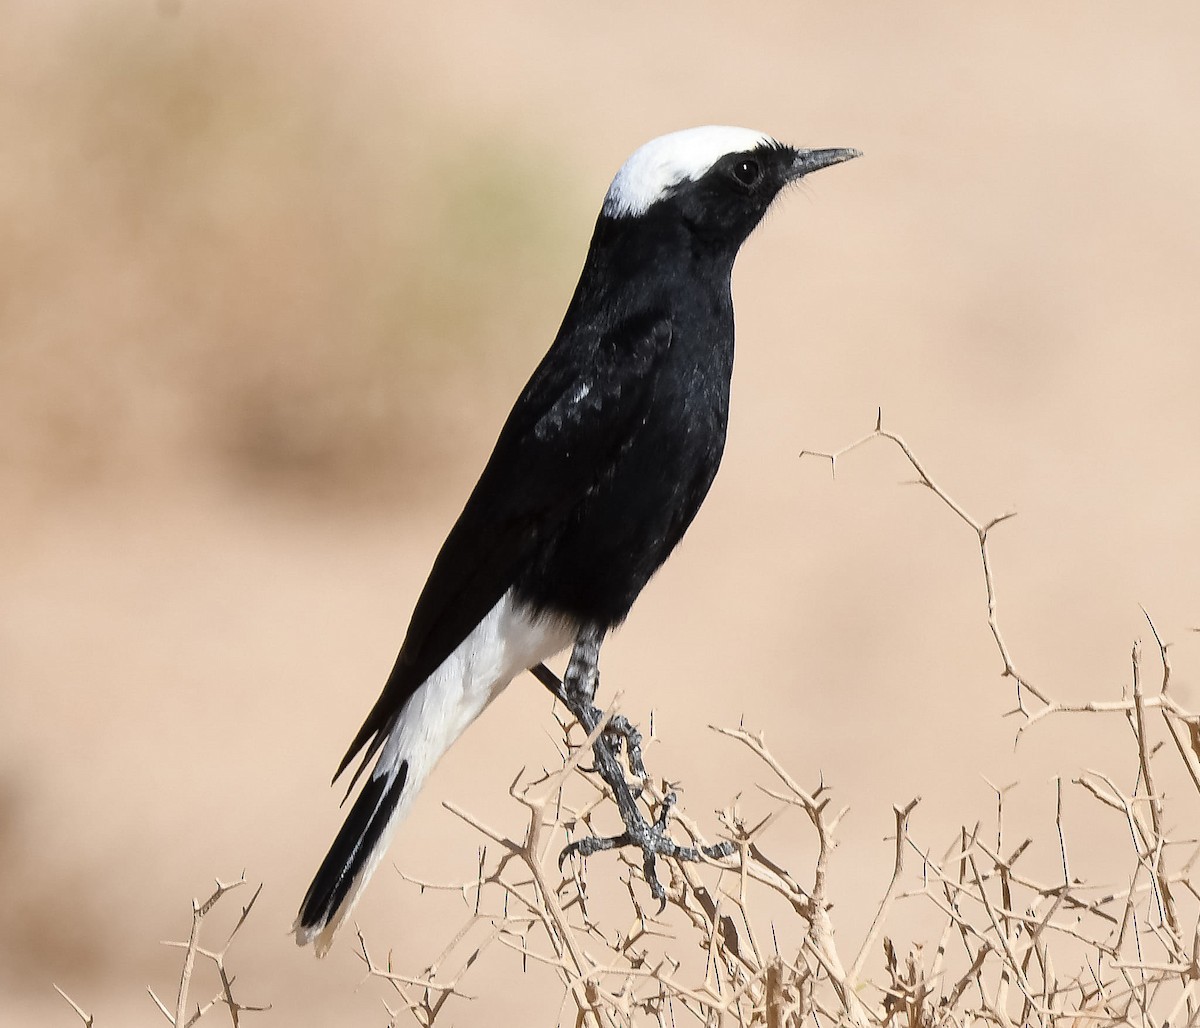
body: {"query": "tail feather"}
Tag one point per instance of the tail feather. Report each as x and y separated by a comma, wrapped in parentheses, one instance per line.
(357, 849)
(408, 744)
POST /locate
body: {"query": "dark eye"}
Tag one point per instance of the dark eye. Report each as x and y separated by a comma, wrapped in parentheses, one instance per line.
(747, 172)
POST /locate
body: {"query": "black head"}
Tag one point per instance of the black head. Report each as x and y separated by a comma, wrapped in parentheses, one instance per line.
(717, 181)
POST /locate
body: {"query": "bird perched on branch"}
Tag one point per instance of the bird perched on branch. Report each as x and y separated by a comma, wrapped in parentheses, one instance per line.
(597, 473)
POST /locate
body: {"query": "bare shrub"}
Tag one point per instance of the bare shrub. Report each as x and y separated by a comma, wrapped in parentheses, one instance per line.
(187, 1011)
(1014, 946)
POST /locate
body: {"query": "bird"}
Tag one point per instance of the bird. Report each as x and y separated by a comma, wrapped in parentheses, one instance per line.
(599, 469)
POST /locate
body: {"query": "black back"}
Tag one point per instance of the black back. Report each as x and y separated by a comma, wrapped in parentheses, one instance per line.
(612, 445)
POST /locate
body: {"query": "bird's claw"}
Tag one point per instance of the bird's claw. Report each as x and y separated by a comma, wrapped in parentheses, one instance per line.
(593, 844)
(575, 690)
(652, 839)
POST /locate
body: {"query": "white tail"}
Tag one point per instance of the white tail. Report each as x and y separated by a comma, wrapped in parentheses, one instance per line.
(507, 641)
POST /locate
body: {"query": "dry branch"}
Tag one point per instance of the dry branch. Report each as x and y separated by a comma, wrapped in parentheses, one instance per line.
(1013, 950)
(179, 1016)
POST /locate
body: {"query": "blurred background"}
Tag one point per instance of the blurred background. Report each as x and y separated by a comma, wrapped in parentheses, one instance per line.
(271, 276)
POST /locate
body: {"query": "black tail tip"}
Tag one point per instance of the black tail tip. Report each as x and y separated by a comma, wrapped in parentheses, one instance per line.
(348, 864)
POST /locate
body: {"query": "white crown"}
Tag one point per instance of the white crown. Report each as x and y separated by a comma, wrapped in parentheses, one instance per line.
(664, 162)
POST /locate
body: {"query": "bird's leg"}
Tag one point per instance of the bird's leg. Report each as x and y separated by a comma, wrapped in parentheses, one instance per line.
(583, 671)
(577, 691)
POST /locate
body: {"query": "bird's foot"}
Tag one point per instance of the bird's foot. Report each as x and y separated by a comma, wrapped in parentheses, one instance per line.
(650, 837)
(575, 691)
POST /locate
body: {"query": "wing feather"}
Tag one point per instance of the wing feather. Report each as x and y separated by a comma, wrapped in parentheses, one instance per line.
(566, 429)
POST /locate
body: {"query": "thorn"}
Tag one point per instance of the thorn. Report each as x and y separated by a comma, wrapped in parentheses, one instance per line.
(999, 519)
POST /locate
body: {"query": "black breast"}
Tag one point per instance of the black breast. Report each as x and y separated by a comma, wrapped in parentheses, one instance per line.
(604, 551)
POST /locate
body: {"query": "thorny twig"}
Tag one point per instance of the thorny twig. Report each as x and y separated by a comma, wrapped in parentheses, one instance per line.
(981, 530)
(1013, 949)
(179, 1017)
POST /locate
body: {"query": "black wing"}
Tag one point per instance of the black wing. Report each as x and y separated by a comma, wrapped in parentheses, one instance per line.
(566, 429)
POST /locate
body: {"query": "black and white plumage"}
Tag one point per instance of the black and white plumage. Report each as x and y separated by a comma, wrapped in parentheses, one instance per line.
(597, 473)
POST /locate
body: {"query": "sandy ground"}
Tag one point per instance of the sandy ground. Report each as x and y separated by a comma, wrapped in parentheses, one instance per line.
(242, 398)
